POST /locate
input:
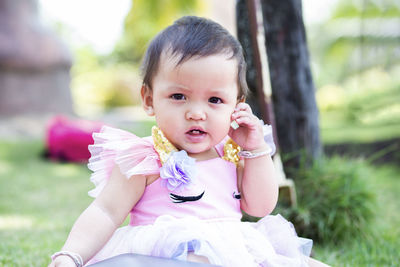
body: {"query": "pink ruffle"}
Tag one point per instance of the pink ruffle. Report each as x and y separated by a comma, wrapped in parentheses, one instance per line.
(132, 154)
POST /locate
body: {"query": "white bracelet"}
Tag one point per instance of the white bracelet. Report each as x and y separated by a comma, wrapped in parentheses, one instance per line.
(74, 256)
(249, 154)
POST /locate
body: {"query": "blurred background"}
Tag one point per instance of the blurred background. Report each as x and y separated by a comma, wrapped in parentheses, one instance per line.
(81, 59)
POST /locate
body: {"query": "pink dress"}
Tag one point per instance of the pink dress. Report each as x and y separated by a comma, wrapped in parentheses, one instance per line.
(203, 219)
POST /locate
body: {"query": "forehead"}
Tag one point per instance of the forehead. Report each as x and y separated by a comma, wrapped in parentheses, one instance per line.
(175, 61)
(219, 70)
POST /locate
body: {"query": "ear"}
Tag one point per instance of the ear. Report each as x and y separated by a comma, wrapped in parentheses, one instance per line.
(242, 99)
(147, 99)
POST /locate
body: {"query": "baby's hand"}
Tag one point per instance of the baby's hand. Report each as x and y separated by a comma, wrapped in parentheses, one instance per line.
(249, 136)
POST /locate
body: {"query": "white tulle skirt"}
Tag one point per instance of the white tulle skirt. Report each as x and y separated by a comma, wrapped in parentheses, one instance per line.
(272, 241)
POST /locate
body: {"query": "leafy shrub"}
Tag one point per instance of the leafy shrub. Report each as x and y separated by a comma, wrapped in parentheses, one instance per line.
(335, 201)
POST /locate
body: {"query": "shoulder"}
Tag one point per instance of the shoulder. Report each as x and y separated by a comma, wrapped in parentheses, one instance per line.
(117, 137)
(115, 147)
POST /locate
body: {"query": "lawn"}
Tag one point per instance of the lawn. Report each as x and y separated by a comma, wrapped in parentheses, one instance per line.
(366, 115)
(380, 245)
(40, 200)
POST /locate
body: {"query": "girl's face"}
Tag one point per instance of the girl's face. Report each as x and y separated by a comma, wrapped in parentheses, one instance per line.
(193, 102)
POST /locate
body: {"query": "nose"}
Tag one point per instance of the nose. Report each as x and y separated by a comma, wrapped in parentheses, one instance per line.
(196, 112)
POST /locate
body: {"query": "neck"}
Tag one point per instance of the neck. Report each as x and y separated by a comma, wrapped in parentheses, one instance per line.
(206, 155)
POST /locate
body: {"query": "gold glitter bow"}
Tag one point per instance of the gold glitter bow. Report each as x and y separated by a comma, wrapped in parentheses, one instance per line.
(164, 147)
(231, 150)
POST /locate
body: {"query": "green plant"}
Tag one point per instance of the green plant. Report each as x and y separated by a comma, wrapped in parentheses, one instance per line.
(335, 201)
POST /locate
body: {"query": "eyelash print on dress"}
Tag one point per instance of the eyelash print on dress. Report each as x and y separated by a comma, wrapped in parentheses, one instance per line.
(182, 199)
(236, 195)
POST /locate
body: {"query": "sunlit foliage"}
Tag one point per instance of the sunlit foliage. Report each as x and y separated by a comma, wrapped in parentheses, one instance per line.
(145, 19)
(356, 61)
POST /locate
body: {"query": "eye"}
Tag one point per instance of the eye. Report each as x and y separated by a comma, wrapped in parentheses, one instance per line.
(215, 100)
(178, 97)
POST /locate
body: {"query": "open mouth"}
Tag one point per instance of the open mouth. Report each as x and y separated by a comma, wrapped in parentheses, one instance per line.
(196, 135)
(196, 132)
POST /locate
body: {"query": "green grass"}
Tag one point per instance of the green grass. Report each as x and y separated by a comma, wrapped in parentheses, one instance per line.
(335, 128)
(40, 200)
(362, 109)
(379, 245)
(141, 128)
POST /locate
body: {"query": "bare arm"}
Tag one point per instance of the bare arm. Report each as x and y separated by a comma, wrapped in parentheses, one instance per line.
(259, 187)
(256, 176)
(97, 223)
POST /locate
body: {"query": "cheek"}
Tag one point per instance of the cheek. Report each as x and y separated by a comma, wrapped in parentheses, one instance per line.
(165, 120)
(163, 109)
(168, 120)
(223, 120)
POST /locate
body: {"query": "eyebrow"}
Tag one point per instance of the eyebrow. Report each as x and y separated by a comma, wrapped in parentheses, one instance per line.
(220, 92)
(177, 86)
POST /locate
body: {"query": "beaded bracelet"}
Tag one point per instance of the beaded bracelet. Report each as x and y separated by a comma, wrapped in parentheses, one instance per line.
(254, 154)
(74, 256)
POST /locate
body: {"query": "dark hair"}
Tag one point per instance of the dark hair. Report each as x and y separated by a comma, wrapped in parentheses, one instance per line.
(192, 36)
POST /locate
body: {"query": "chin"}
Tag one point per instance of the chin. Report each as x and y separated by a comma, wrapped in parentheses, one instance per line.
(197, 149)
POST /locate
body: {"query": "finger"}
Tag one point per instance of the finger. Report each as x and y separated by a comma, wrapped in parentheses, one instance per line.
(238, 114)
(243, 106)
(248, 121)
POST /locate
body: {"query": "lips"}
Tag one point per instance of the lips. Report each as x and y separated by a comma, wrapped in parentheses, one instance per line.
(196, 134)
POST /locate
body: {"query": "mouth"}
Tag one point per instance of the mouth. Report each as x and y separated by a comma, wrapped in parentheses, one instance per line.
(196, 135)
(195, 132)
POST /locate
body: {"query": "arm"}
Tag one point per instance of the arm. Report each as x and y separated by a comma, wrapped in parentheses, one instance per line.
(258, 186)
(98, 222)
(256, 176)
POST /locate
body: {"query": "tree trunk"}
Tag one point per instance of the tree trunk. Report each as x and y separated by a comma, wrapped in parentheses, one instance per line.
(293, 94)
(293, 89)
(244, 37)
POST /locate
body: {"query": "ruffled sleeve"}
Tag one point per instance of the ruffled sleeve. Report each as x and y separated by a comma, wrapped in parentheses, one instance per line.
(132, 154)
(269, 137)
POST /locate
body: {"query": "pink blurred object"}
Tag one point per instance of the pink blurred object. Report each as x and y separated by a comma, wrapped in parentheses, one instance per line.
(68, 139)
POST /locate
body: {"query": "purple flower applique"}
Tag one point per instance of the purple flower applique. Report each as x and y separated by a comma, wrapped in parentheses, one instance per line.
(178, 171)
